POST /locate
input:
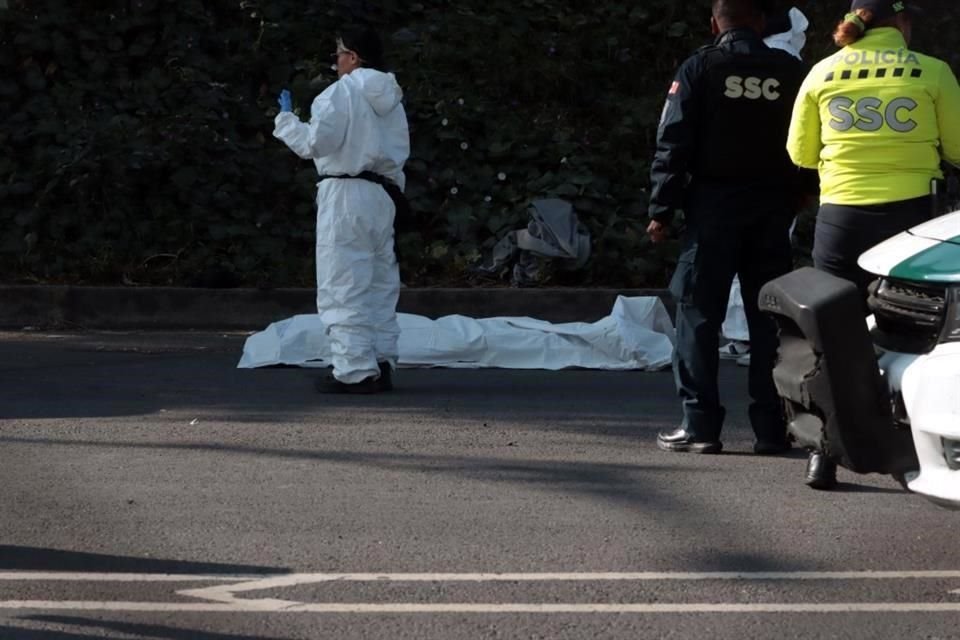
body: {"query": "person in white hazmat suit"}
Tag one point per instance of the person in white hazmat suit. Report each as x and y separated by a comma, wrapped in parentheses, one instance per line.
(359, 139)
(786, 30)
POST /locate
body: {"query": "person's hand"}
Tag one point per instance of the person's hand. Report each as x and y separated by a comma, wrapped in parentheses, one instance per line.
(286, 103)
(658, 231)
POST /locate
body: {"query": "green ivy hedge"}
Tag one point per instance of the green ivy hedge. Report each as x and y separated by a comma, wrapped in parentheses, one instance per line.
(136, 146)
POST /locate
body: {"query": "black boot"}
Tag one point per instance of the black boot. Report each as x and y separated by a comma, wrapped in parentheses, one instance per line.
(821, 472)
(329, 384)
(386, 376)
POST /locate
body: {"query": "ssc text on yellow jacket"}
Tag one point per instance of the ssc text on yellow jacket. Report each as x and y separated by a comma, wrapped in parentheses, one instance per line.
(875, 119)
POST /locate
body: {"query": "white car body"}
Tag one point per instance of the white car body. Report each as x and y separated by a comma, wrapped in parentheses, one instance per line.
(929, 383)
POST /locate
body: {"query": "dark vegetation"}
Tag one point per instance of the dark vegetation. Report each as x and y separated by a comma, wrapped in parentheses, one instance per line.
(136, 146)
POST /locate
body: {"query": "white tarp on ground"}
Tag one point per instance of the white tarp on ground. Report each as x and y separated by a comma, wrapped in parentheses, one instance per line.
(638, 334)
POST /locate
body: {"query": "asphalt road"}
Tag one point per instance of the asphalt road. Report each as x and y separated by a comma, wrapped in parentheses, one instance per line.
(149, 489)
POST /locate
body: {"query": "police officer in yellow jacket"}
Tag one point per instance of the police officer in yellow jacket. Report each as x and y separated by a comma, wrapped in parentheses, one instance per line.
(875, 119)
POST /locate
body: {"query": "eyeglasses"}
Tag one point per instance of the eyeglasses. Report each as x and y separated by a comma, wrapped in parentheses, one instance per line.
(340, 53)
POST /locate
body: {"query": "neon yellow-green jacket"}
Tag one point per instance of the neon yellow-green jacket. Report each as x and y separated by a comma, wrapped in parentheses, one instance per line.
(875, 120)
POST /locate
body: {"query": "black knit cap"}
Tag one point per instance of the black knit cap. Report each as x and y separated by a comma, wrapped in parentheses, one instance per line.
(884, 9)
(366, 43)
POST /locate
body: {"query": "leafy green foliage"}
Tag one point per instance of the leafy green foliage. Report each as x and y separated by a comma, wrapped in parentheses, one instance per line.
(136, 146)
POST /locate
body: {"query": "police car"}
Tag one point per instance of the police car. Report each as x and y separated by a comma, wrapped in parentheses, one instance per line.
(881, 396)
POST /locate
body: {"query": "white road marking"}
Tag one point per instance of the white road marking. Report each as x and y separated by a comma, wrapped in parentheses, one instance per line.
(222, 598)
(66, 576)
(306, 578)
(290, 579)
(81, 605)
(226, 593)
(258, 606)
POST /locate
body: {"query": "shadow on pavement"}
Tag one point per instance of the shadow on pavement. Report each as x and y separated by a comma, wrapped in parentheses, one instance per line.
(47, 381)
(137, 630)
(618, 482)
(849, 487)
(17, 558)
(19, 633)
(729, 562)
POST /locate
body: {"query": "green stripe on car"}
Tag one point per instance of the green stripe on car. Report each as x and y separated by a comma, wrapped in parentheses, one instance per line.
(940, 263)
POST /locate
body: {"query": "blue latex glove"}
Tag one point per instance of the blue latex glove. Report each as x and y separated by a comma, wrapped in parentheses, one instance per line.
(286, 103)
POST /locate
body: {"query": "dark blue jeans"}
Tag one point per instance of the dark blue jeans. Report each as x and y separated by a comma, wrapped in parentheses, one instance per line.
(752, 241)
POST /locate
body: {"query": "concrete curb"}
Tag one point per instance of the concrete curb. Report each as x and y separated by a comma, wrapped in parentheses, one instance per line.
(169, 308)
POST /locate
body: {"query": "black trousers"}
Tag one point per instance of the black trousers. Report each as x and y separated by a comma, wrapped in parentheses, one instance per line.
(844, 232)
(727, 236)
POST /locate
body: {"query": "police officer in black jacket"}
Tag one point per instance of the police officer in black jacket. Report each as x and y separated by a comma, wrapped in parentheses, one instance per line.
(721, 158)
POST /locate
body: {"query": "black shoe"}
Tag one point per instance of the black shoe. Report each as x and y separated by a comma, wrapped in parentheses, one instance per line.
(771, 447)
(681, 441)
(821, 472)
(329, 384)
(386, 377)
